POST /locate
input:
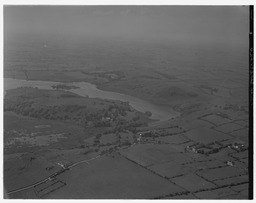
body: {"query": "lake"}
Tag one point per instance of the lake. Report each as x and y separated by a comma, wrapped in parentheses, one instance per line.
(91, 90)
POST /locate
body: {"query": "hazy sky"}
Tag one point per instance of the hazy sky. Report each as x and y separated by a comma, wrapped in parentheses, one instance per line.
(174, 23)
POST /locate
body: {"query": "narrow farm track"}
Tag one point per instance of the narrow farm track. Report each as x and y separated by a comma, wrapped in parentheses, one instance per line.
(53, 175)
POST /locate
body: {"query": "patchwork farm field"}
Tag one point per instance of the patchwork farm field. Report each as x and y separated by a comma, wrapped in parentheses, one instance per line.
(206, 135)
(149, 154)
(115, 171)
(62, 145)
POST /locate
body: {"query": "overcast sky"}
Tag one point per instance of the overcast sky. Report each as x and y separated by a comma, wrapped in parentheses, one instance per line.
(211, 24)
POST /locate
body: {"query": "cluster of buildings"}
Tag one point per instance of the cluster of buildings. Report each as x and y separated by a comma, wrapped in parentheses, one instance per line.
(239, 147)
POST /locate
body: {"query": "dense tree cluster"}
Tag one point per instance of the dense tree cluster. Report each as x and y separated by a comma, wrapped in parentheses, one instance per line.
(113, 115)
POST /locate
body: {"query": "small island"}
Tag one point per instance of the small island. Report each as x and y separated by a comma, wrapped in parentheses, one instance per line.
(64, 87)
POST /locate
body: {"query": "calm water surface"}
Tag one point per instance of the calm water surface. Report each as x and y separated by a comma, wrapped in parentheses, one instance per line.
(88, 89)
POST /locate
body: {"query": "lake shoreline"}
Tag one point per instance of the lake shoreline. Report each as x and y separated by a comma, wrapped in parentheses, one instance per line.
(88, 89)
(101, 86)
